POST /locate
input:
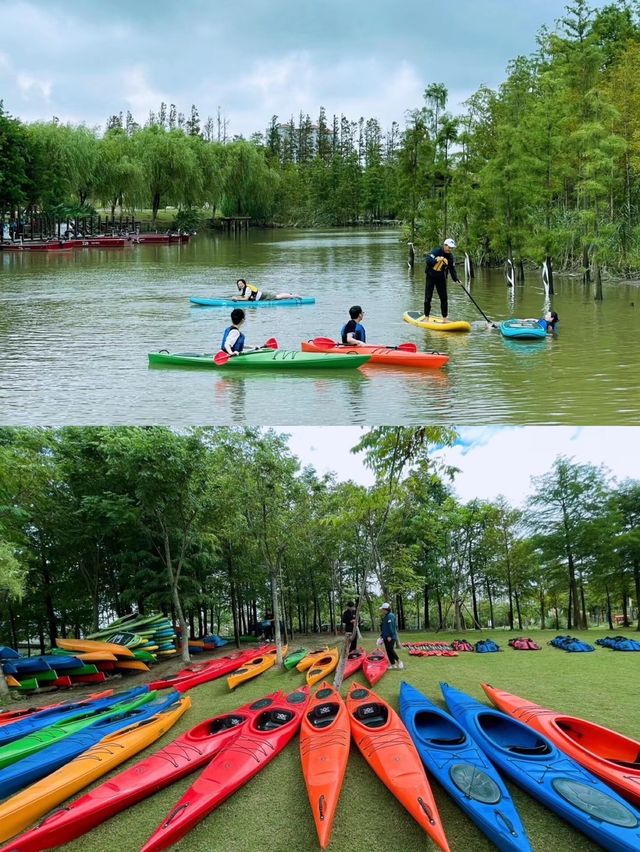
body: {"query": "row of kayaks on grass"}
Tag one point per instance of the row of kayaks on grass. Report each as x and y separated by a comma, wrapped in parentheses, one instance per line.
(464, 751)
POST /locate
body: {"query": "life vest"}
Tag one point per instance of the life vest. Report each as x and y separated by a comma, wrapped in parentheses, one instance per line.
(359, 334)
(256, 294)
(238, 346)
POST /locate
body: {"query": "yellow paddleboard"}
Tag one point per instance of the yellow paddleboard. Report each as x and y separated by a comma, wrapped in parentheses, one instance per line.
(435, 323)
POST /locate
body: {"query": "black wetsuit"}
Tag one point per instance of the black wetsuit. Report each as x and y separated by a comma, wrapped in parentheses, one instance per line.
(439, 265)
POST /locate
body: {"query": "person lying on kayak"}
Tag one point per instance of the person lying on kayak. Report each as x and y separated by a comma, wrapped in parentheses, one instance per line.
(233, 339)
(250, 293)
(353, 333)
(548, 321)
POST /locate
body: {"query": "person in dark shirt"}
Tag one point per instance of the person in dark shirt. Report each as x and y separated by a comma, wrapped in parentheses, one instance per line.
(349, 624)
(440, 263)
(353, 333)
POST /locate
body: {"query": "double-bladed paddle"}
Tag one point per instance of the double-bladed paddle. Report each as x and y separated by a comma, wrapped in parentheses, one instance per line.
(221, 358)
(327, 341)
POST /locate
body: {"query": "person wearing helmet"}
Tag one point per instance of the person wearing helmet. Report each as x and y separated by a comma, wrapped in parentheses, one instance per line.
(440, 263)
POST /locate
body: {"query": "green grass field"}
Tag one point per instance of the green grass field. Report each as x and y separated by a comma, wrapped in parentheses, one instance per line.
(272, 813)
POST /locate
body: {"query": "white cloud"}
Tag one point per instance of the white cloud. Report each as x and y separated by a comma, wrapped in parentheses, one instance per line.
(139, 94)
(35, 87)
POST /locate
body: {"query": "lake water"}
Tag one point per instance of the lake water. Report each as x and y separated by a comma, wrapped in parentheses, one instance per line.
(75, 330)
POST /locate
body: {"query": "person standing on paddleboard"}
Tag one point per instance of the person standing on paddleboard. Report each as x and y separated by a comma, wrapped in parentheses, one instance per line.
(389, 634)
(440, 263)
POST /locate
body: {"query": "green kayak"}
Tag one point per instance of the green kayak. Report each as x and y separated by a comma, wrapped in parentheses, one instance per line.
(272, 359)
(32, 743)
(294, 658)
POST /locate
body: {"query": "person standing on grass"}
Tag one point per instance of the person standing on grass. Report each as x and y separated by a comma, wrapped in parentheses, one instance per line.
(349, 624)
(389, 634)
(440, 263)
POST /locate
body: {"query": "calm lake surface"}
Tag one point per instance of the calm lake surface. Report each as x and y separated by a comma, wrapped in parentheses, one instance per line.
(75, 330)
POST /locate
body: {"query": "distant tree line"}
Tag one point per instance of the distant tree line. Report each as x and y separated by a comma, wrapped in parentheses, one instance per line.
(215, 527)
(545, 168)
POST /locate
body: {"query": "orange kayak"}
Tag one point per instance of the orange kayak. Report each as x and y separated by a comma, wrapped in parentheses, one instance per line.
(254, 667)
(389, 750)
(91, 645)
(389, 355)
(323, 666)
(611, 756)
(324, 752)
(306, 662)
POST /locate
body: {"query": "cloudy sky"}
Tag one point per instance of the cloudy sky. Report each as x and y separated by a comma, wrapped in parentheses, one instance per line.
(85, 61)
(492, 460)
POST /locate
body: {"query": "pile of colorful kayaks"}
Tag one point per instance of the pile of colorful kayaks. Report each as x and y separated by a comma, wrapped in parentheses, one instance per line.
(151, 633)
(571, 644)
(583, 772)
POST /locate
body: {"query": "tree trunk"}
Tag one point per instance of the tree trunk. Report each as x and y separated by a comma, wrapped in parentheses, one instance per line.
(490, 599)
(636, 579)
(276, 618)
(609, 618)
(625, 612)
(597, 280)
(510, 593)
(234, 614)
(542, 613)
(427, 616)
(474, 600)
(517, 597)
(439, 603)
(549, 263)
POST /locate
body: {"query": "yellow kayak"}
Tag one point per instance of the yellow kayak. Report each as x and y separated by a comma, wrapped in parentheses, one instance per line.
(312, 657)
(435, 323)
(323, 666)
(254, 667)
(27, 806)
(89, 645)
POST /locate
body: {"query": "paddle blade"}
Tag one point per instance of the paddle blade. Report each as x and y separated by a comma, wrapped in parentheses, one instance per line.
(271, 343)
(324, 341)
(220, 358)
(406, 347)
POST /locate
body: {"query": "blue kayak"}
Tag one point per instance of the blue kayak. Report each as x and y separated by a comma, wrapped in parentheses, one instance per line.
(460, 765)
(36, 766)
(65, 712)
(549, 775)
(523, 329)
(263, 303)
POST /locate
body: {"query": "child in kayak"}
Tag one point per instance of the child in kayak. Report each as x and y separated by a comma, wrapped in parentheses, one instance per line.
(233, 339)
(250, 293)
(353, 333)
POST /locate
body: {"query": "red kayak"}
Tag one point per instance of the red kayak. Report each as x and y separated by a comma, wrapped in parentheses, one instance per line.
(198, 673)
(188, 752)
(392, 356)
(10, 716)
(354, 662)
(259, 741)
(611, 756)
(374, 666)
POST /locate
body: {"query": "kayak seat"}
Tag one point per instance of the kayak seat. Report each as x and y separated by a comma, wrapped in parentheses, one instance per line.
(448, 740)
(628, 764)
(372, 715)
(225, 723)
(543, 748)
(324, 714)
(271, 720)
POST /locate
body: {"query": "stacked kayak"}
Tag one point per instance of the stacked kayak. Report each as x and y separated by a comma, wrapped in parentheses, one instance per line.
(259, 740)
(619, 643)
(388, 749)
(374, 666)
(263, 303)
(611, 756)
(392, 356)
(278, 359)
(8, 717)
(143, 728)
(186, 754)
(533, 762)
(460, 765)
(323, 666)
(324, 753)
(435, 323)
(523, 329)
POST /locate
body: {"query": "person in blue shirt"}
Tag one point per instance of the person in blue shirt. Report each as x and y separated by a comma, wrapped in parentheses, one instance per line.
(233, 339)
(548, 321)
(353, 333)
(389, 634)
(440, 263)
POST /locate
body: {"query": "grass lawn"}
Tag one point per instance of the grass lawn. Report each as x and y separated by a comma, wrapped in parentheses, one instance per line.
(272, 813)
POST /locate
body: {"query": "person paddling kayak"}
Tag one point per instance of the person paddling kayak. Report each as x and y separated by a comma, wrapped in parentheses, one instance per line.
(233, 340)
(250, 293)
(439, 263)
(353, 333)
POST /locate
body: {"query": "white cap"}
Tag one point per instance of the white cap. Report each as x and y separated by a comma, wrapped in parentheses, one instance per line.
(385, 606)
(451, 243)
